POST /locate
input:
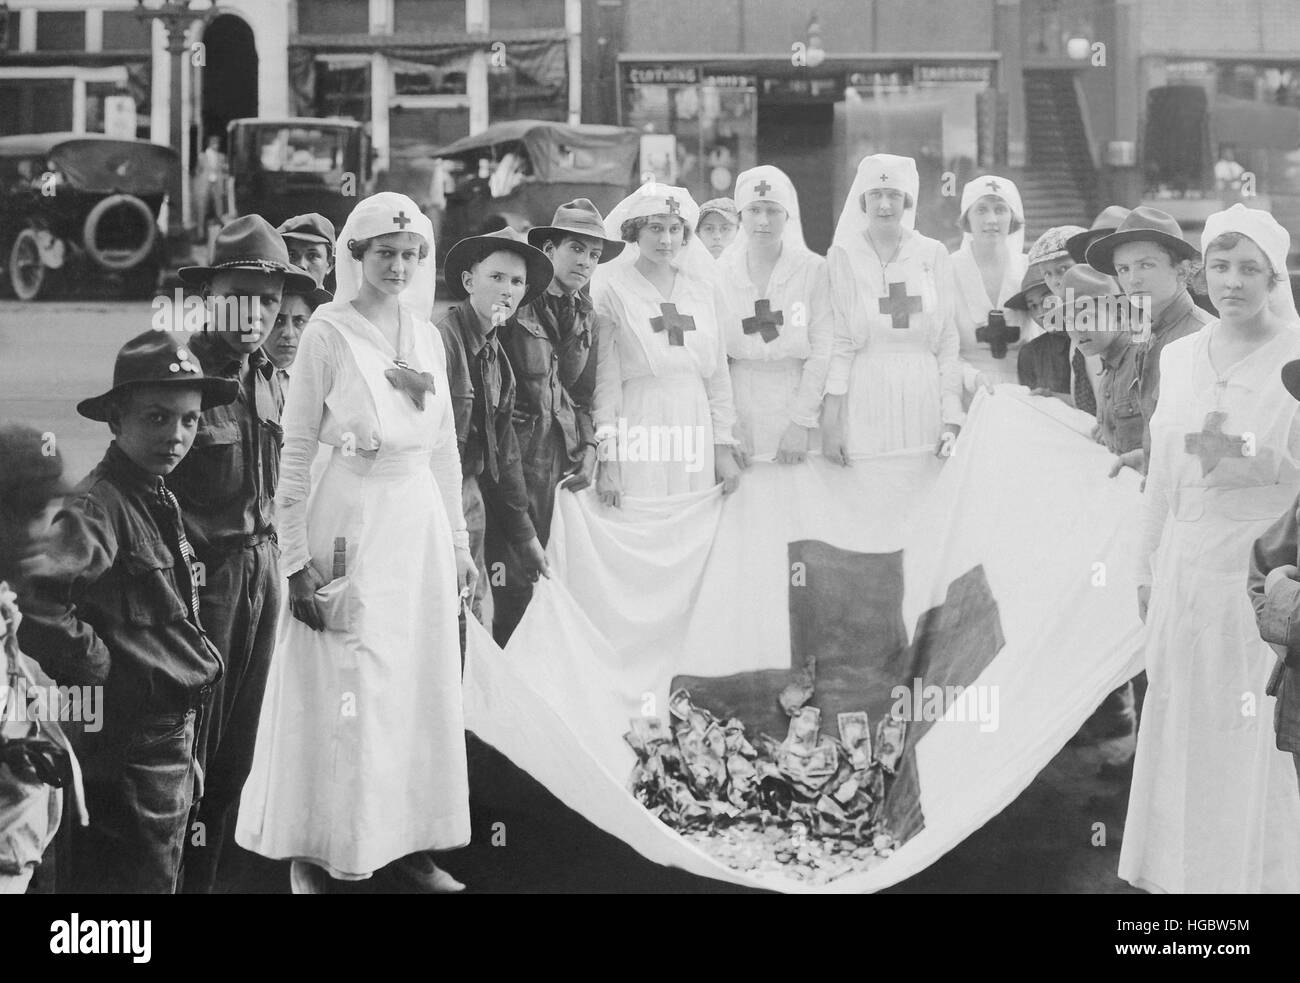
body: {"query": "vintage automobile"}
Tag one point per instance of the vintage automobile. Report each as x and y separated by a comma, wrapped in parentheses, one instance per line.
(285, 167)
(516, 173)
(78, 205)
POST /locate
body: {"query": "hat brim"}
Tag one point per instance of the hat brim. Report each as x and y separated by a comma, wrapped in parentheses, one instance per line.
(216, 392)
(1077, 245)
(308, 237)
(1291, 378)
(1100, 253)
(611, 248)
(315, 296)
(1020, 301)
(467, 252)
(294, 282)
(1053, 320)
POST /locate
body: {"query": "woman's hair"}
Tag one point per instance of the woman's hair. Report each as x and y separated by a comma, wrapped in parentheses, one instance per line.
(358, 247)
(1230, 240)
(631, 228)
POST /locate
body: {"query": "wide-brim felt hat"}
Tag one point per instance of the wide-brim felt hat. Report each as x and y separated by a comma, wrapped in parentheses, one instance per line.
(159, 358)
(1080, 283)
(249, 243)
(1143, 224)
(1291, 378)
(1106, 222)
(467, 252)
(578, 217)
(1032, 280)
(316, 296)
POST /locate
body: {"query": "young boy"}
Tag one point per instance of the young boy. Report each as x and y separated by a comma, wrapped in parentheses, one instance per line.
(310, 241)
(494, 274)
(550, 345)
(226, 488)
(718, 225)
(1274, 586)
(117, 606)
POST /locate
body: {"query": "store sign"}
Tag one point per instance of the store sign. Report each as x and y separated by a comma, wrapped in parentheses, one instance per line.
(663, 75)
(829, 88)
(955, 73)
(731, 81)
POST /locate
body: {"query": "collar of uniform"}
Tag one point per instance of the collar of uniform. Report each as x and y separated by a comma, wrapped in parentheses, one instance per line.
(1174, 311)
(1114, 355)
(262, 363)
(477, 335)
(128, 474)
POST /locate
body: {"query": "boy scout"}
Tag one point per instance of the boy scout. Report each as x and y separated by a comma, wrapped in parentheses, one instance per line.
(117, 605)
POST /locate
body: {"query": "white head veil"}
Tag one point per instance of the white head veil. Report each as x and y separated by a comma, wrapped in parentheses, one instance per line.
(375, 216)
(768, 183)
(1274, 241)
(653, 198)
(876, 171)
(998, 187)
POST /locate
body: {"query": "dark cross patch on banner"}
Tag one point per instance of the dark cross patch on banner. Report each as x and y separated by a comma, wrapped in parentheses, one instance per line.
(900, 305)
(847, 618)
(765, 321)
(673, 323)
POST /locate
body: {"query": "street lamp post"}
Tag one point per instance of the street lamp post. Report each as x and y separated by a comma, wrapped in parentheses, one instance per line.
(176, 16)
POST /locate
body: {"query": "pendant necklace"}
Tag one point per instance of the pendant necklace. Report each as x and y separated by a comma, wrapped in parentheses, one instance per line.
(884, 282)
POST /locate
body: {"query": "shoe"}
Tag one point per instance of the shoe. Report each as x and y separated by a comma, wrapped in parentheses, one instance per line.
(306, 878)
(418, 871)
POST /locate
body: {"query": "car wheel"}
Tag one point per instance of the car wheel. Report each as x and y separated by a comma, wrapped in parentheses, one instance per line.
(29, 278)
(131, 230)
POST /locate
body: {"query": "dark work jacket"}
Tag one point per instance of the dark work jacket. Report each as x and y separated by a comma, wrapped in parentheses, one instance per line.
(226, 483)
(1044, 363)
(555, 376)
(504, 492)
(108, 606)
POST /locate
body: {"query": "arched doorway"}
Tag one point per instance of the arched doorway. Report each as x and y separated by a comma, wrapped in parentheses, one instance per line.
(229, 81)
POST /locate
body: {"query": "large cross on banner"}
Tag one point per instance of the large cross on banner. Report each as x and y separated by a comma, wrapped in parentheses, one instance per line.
(1212, 445)
(846, 618)
(764, 322)
(900, 305)
(673, 323)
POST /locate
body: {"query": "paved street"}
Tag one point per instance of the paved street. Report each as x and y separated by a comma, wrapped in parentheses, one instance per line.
(53, 354)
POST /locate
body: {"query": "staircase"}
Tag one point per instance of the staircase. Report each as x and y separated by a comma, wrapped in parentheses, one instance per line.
(1059, 184)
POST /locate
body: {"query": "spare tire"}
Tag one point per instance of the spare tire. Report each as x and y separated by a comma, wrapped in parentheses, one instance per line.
(134, 232)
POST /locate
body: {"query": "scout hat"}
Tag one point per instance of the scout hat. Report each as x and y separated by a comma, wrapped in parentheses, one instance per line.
(1143, 224)
(1051, 244)
(1033, 278)
(159, 358)
(315, 296)
(249, 243)
(467, 252)
(29, 477)
(1106, 222)
(1079, 283)
(579, 217)
(724, 207)
(312, 227)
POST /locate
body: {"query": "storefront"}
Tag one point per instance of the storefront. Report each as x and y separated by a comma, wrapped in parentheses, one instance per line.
(704, 121)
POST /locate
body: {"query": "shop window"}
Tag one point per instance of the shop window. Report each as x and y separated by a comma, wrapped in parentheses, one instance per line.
(531, 83)
(343, 90)
(333, 17)
(124, 31)
(58, 30)
(505, 15)
(35, 106)
(428, 16)
(9, 30)
(448, 79)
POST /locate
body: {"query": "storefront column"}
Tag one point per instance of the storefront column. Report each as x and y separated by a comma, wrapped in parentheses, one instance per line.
(1124, 184)
(1007, 38)
(476, 78)
(573, 38)
(381, 90)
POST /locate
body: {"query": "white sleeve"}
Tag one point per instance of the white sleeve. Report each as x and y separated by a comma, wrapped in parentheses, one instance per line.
(947, 342)
(313, 378)
(607, 400)
(444, 461)
(1154, 510)
(840, 287)
(722, 407)
(807, 403)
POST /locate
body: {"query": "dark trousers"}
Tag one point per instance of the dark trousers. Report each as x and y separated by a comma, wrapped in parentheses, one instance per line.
(139, 791)
(239, 605)
(544, 466)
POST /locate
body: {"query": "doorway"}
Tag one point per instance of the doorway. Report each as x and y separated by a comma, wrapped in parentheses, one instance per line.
(797, 138)
(229, 80)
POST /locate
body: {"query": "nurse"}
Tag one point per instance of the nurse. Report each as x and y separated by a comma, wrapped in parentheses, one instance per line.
(779, 322)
